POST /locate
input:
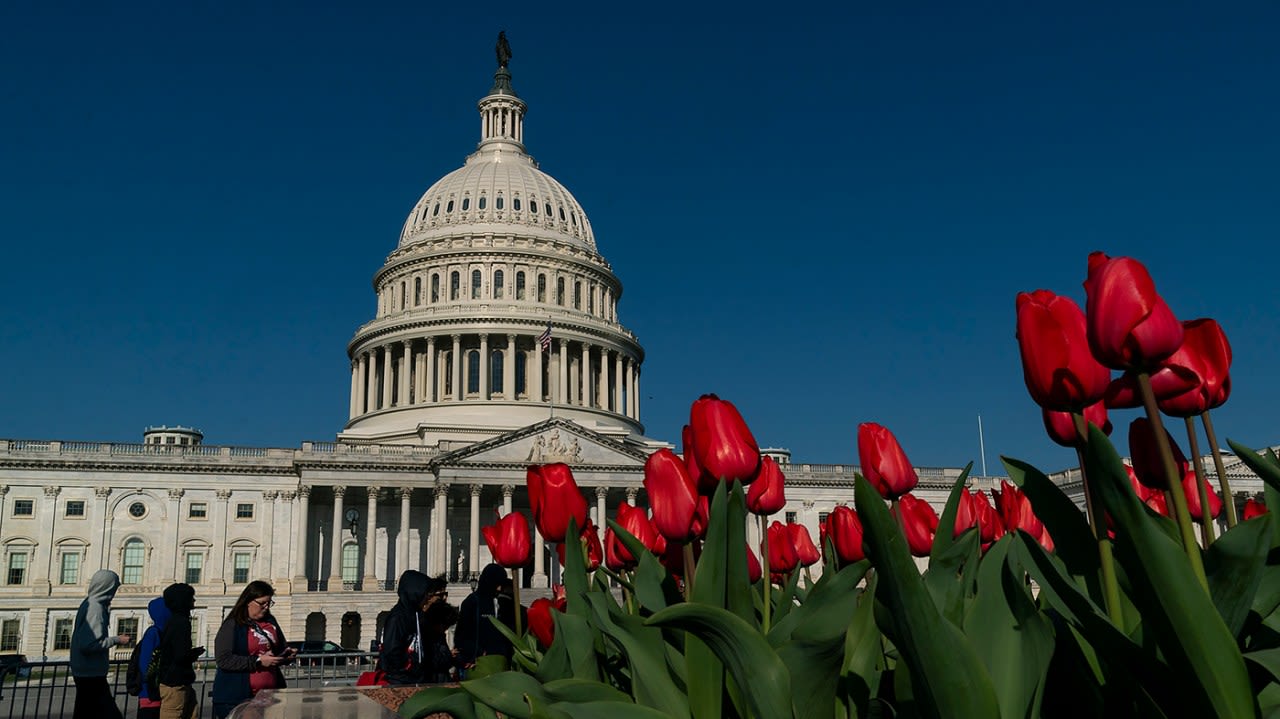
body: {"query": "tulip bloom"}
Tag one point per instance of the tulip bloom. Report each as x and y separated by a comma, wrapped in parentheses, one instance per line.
(673, 496)
(843, 530)
(509, 540)
(754, 572)
(1153, 498)
(1060, 372)
(782, 553)
(723, 444)
(635, 521)
(1062, 429)
(592, 550)
(555, 499)
(976, 510)
(541, 621)
(1167, 382)
(614, 553)
(1145, 455)
(764, 496)
(1130, 327)
(1192, 489)
(883, 462)
(1016, 513)
(1206, 355)
(918, 521)
(706, 483)
(800, 539)
(1253, 508)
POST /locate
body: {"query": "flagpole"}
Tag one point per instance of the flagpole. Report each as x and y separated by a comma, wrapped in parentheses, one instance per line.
(982, 447)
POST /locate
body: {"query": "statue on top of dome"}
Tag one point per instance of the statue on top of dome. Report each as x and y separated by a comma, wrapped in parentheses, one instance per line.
(503, 49)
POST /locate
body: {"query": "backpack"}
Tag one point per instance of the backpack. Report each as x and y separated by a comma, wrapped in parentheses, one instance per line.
(133, 674)
(153, 674)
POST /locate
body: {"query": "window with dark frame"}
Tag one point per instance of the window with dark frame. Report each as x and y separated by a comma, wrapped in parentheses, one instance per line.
(24, 507)
(244, 510)
(17, 568)
(197, 510)
(10, 635)
(62, 634)
(75, 508)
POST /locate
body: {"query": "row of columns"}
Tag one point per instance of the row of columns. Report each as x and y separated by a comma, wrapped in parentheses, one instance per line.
(400, 374)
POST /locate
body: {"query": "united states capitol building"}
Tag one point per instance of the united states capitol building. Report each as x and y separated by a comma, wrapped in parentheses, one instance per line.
(497, 343)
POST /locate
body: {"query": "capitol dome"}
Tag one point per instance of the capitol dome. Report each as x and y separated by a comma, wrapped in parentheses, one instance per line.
(495, 310)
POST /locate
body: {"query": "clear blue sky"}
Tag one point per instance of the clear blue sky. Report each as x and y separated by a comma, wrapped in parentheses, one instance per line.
(820, 213)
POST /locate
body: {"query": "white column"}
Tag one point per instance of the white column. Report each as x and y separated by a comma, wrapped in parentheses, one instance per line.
(335, 554)
(103, 493)
(221, 511)
(507, 491)
(304, 497)
(402, 540)
(370, 579)
(420, 377)
(175, 509)
(457, 368)
(429, 382)
(533, 372)
(584, 377)
(539, 560)
(509, 370)
(484, 366)
(562, 373)
(42, 558)
(370, 399)
(439, 533)
(355, 389)
(635, 383)
(602, 389)
(631, 395)
(269, 534)
(286, 546)
(601, 518)
(387, 376)
(617, 383)
(405, 358)
(473, 549)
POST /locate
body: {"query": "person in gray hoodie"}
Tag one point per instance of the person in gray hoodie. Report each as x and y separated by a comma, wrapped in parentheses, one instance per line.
(91, 642)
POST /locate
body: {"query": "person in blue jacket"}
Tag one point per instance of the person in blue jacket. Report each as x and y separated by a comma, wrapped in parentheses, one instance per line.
(149, 696)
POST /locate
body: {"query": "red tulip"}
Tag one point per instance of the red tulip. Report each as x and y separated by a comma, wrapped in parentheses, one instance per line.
(1153, 498)
(1166, 382)
(1059, 370)
(976, 510)
(555, 499)
(701, 516)
(800, 539)
(1192, 489)
(635, 521)
(843, 532)
(509, 541)
(592, 550)
(918, 521)
(1061, 426)
(884, 464)
(754, 572)
(705, 482)
(722, 442)
(1253, 508)
(673, 496)
(1145, 455)
(614, 553)
(782, 553)
(1205, 354)
(541, 621)
(1016, 513)
(764, 496)
(1129, 325)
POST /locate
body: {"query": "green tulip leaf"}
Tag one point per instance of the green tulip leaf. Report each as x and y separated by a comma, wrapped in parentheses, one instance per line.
(942, 540)
(539, 709)
(947, 677)
(814, 669)
(1012, 637)
(488, 665)
(859, 678)
(582, 690)
(1266, 467)
(654, 587)
(757, 671)
(432, 700)
(606, 710)
(1235, 565)
(737, 582)
(1208, 670)
(644, 650)
(705, 670)
(952, 576)
(506, 692)
(826, 611)
(1268, 660)
(1073, 541)
(572, 653)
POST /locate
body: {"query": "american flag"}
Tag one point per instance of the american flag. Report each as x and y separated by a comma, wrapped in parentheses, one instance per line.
(544, 339)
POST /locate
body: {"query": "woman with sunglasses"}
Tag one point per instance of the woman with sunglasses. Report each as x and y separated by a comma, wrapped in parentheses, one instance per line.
(249, 649)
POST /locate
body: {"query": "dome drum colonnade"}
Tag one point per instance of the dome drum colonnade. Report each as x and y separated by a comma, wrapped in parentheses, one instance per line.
(493, 256)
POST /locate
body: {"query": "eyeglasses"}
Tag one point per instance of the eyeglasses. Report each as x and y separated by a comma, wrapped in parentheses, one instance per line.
(264, 603)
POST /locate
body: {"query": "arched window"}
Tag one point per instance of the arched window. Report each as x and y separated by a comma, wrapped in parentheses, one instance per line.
(455, 285)
(482, 202)
(560, 291)
(542, 288)
(562, 214)
(577, 295)
(449, 207)
(495, 371)
(402, 295)
(520, 285)
(435, 288)
(436, 211)
(466, 204)
(521, 368)
(417, 291)
(475, 284)
(135, 554)
(533, 206)
(497, 284)
(350, 563)
(515, 204)
(591, 300)
(498, 205)
(446, 369)
(473, 371)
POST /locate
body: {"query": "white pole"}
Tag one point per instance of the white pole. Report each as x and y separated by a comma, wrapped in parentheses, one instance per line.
(982, 447)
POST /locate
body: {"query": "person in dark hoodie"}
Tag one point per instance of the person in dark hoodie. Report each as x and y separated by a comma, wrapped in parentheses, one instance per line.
(177, 657)
(476, 636)
(149, 696)
(404, 649)
(91, 641)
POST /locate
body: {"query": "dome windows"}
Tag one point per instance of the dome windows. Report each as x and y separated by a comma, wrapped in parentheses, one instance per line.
(466, 204)
(455, 285)
(417, 291)
(475, 284)
(548, 206)
(560, 291)
(498, 279)
(515, 204)
(436, 211)
(448, 208)
(482, 202)
(577, 295)
(520, 285)
(562, 213)
(542, 287)
(533, 206)
(435, 288)
(498, 204)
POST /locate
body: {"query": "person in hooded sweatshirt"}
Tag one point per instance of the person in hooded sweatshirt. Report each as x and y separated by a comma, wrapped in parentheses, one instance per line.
(91, 642)
(177, 657)
(149, 696)
(476, 636)
(403, 657)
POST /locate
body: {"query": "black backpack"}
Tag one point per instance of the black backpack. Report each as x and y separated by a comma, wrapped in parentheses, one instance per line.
(133, 675)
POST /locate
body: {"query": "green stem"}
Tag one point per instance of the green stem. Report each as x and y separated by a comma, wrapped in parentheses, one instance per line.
(808, 579)
(1106, 560)
(764, 562)
(1180, 512)
(622, 581)
(515, 591)
(1202, 484)
(629, 598)
(688, 571)
(1223, 485)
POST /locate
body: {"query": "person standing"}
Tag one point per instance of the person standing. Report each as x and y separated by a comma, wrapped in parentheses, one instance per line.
(176, 671)
(91, 641)
(476, 636)
(249, 649)
(404, 651)
(149, 695)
